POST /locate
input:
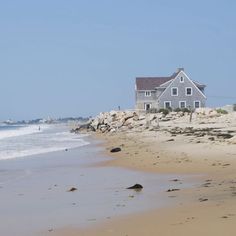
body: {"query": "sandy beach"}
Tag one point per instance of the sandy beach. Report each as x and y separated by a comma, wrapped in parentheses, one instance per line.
(42, 193)
(207, 208)
(118, 118)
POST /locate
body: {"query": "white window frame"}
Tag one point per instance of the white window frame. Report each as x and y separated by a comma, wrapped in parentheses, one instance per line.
(176, 90)
(165, 104)
(195, 102)
(186, 89)
(148, 93)
(184, 104)
(145, 106)
(181, 79)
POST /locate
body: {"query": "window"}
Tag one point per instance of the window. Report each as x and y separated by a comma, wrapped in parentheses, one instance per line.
(174, 91)
(182, 104)
(196, 104)
(188, 91)
(148, 93)
(181, 79)
(167, 104)
(147, 106)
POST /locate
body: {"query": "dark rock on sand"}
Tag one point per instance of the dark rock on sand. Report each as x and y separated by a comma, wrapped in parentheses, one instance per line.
(170, 140)
(172, 190)
(72, 189)
(224, 136)
(206, 185)
(136, 187)
(203, 199)
(175, 180)
(117, 149)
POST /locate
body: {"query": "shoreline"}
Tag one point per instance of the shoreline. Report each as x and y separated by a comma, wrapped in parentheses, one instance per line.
(40, 184)
(208, 208)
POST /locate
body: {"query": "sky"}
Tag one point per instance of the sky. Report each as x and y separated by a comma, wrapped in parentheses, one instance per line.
(63, 58)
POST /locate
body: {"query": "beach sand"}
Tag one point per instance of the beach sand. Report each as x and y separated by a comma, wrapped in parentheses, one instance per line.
(35, 196)
(207, 208)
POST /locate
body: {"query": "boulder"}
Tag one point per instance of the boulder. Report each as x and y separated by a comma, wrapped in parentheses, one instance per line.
(152, 117)
(232, 140)
(155, 124)
(82, 127)
(224, 136)
(113, 113)
(112, 130)
(124, 128)
(136, 187)
(128, 121)
(172, 190)
(142, 117)
(208, 112)
(117, 149)
(136, 117)
(72, 189)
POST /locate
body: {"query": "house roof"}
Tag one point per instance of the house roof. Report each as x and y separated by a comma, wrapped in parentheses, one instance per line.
(199, 85)
(150, 83)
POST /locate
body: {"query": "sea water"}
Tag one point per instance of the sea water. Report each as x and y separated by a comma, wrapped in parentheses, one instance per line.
(38, 167)
(25, 140)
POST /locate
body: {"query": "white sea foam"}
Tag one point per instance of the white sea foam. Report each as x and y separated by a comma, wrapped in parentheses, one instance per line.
(34, 151)
(24, 130)
(28, 141)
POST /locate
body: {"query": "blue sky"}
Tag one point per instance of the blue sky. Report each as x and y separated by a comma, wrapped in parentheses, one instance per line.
(72, 57)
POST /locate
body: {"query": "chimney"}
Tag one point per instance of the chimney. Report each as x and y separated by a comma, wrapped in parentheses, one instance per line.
(180, 69)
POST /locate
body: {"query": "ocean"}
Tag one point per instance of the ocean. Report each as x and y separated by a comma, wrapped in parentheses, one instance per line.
(25, 140)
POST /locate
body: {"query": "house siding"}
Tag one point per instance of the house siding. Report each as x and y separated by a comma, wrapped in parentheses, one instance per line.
(196, 94)
(141, 99)
(163, 93)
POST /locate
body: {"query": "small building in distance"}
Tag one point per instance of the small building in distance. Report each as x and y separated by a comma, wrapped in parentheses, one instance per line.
(175, 91)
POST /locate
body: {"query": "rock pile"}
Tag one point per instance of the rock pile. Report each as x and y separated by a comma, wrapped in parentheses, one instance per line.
(206, 112)
(126, 121)
(114, 121)
(123, 121)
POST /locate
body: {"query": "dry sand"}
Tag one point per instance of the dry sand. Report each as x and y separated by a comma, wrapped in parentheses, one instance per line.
(207, 209)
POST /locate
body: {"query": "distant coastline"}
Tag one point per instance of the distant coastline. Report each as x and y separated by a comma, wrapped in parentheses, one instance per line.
(46, 121)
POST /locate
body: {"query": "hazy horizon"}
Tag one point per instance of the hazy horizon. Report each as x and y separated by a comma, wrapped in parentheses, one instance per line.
(78, 58)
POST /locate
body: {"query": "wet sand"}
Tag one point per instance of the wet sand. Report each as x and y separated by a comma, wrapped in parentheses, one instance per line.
(35, 197)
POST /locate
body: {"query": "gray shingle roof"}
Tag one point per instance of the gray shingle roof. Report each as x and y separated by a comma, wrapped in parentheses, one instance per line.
(199, 85)
(150, 83)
